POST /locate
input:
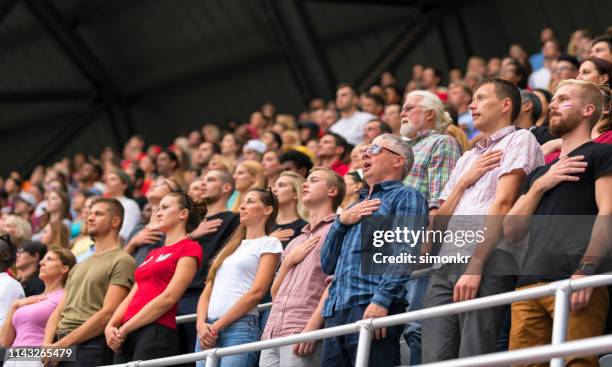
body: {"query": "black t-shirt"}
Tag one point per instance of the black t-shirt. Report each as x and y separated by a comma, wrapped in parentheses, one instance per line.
(33, 286)
(296, 225)
(212, 243)
(542, 134)
(560, 229)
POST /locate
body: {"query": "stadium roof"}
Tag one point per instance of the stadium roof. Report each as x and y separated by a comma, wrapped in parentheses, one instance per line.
(80, 75)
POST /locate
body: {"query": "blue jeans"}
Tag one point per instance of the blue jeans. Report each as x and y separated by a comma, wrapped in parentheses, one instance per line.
(242, 331)
(340, 351)
(415, 292)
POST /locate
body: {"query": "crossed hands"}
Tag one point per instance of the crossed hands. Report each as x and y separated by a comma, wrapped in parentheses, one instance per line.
(207, 336)
(114, 338)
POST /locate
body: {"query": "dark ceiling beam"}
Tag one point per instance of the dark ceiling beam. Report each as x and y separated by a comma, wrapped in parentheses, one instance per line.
(463, 33)
(406, 40)
(79, 52)
(317, 49)
(46, 96)
(372, 2)
(445, 46)
(5, 7)
(58, 142)
(251, 63)
(280, 31)
(208, 76)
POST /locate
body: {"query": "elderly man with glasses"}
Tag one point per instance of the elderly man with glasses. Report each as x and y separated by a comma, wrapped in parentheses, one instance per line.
(360, 289)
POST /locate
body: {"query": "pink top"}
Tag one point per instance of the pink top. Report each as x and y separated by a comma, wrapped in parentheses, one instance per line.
(30, 321)
(605, 138)
(302, 288)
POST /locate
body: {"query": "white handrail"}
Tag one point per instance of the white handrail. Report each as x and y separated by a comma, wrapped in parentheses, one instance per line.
(184, 319)
(523, 355)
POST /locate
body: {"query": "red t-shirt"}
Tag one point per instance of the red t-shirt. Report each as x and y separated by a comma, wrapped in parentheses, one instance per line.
(340, 168)
(154, 274)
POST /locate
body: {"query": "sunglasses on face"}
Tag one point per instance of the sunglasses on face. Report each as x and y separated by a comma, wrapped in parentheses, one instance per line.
(375, 149)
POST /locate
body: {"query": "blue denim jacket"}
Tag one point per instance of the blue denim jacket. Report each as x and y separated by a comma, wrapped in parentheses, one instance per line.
(341, 252)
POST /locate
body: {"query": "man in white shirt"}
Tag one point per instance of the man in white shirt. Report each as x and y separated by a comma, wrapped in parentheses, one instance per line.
(541, 77)
(352, 121)
(10, 289)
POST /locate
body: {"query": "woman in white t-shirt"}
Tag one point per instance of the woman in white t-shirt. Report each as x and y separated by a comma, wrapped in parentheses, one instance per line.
(238, 279)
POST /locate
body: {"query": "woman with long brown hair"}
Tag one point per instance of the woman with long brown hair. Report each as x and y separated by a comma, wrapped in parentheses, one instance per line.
(238, 279)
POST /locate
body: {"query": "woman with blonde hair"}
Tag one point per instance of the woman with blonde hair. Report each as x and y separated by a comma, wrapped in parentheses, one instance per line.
(291, 212)
(18, 228)
(238, 279)
(26, 320)
(248, 174)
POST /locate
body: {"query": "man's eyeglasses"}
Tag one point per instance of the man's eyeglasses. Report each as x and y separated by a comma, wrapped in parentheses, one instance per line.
(375, 149)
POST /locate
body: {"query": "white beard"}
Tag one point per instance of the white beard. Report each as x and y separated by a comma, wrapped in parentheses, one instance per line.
(407, 130)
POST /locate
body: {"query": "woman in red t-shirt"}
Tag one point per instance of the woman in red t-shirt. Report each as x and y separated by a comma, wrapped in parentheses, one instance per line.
(144, 324)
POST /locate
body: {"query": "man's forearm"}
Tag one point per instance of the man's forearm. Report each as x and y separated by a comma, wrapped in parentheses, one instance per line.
(600, 242)
(93, 327)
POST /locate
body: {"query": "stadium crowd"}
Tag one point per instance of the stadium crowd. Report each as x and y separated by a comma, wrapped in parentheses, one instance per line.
(103, 252)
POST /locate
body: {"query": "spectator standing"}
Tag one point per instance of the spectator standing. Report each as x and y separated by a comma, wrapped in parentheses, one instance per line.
(26, 320)
(392, 117)
(29, 255)
(540, 78)
(10, 289)
(435, 157)
(94, 290)
(292, 215)
(352, 121)
(602, 48)
(354, 295)
(298, 288)
(375, 128)
(485, 182)
(248, 175)
(212, 234)
(295, 161)
(353, 183)
(271, 167)
(576, 184)
(118, 186)
(459, 97)
(331, 151)
(238, 279)
(144, 324)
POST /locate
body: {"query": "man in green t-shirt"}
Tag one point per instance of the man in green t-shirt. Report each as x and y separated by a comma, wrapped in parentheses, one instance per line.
(94, 289)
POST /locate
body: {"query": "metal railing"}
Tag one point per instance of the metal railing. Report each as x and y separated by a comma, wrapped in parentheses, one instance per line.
(554, 352)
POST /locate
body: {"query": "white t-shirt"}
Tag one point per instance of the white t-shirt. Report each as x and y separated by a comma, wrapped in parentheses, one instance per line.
(131, 216)
(351, 128)
(10, 291)
(237, 273)
(539, 79)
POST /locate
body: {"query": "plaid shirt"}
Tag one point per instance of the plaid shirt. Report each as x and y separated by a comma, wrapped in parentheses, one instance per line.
(435, 156)
(341, 252)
